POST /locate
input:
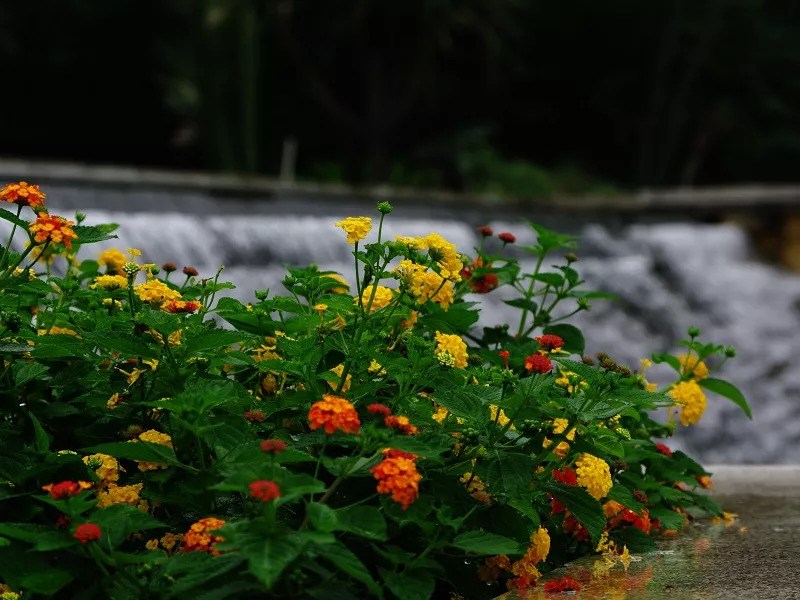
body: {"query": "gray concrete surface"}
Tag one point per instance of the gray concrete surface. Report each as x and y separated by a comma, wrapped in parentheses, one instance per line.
(756, 556)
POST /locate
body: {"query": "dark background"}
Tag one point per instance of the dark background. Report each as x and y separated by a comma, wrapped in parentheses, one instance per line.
(523, 97)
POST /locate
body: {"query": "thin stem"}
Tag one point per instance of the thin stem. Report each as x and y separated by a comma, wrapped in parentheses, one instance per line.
(529, 294)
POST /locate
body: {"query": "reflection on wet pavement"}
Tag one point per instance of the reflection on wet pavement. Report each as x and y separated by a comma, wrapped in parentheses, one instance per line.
(756, 555)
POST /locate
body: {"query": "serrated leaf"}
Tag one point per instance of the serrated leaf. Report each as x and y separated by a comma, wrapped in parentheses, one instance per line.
(729, 391)
(25, 372)
(140, 451)
(90, 234)
(12, 218)
(583, 506)
(522, 303)
(366, 521)
(213, 339)
(551, 279)
(343, 559)
(483, 542)
(322, 516)
(411, 584)
(510, 472)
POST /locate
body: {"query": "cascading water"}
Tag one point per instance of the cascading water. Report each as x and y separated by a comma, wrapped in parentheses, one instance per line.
(667, 276)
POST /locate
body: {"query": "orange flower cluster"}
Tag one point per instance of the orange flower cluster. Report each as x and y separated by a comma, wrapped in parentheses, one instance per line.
(200, 538)
(334, 413)
(56, 229)
(23, 194)
(397, 475)
(402, 424)
(181, 306)
(565, 584)
(493, 567)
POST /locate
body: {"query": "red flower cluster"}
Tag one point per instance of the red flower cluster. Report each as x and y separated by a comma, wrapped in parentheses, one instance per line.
(550, 341)
(334, 413)
(66, 489)
(273, 446)
(255, 416)
(397, 475)
(181, 306)
(538, 363)
(87, 532)
(507, 238)
(566, 475)
(485, 231)
(201, 537)
(376, 408)
(565, 584)
(504, 354)
(264, 490)
(664, 449)
(402, 424)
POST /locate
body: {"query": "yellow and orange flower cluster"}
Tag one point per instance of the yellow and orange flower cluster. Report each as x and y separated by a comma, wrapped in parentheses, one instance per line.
(332, 413)
(441, 251)
(201, 537)
(113, 260)
(54, 229)
(23, 194)
(525, 568)
(156, 292)
(397, 475)
(181, 306)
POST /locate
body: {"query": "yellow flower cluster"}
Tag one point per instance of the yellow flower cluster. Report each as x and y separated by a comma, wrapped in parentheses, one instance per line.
(690, 364)
(55, 330)
(593, 475)
(156, 292)
(169, 541)
(105, 467)
(154, 437)
(502, 419)
(110, 282)
(559, 425)
(571, 381)
(425, 285)
(121, 494)
(338, 370)
(383, 296)
(440, 250)
(345, 289)
(113, 260)
(356, 228)
(454, 346)
(692, 400)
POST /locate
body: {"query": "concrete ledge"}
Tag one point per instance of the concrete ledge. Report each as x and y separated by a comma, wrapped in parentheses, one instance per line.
(756, 480)
(690, 199)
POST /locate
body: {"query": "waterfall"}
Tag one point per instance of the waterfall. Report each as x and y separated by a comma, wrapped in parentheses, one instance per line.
(667, 277)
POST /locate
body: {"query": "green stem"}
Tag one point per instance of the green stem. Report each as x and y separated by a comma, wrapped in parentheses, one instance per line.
(529, 294)
(7, 249)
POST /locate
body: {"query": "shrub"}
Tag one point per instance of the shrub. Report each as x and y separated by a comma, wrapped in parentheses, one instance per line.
(354, 436)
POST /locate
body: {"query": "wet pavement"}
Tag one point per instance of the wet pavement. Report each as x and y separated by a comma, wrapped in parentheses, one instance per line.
(756, 555)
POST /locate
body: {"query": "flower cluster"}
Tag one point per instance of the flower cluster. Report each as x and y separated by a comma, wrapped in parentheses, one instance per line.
(356, 228)
(594, 475)
(453, 346)
(397, 475)
(264, 490)
(23, 194)
(332, 413)
(50, 228)
(201, 536)
(690, 397)
(154, 437)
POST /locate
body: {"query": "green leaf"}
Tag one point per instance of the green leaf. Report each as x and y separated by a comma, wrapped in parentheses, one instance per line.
(343, 559)
(411, 584)
(574, 343)
(669, 518)
(41, 439)
(625, 497)
(191, 570)
(667, 358)
(268, 553)
(585, 508)
(118, 521)
(552, 279)
(25, 372)
(509, 472)
(90, 234)
(729, 391)
(322, 516)
(469, 402)
(12, 218)
(635, 539)
(126, 344)
(522, 303)
(213, 339)
(140, 451)
(365, 521)
(482, 542)
(58, 346)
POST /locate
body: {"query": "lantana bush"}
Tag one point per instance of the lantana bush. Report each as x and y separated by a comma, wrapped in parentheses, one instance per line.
(353, 435)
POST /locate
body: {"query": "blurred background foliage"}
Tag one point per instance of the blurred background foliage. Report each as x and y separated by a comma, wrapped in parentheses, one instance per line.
(523, 97)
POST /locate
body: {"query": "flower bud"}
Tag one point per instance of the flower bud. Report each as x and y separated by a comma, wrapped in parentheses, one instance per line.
(694, 332)
(730, 352)
(385, 208)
